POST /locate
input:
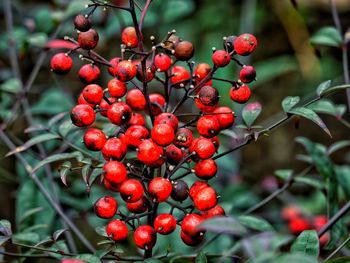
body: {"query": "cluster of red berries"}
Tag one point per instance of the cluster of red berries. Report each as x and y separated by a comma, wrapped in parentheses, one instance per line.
(168, 145)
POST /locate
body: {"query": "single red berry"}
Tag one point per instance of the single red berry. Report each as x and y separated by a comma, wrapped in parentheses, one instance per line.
(104, 106)
(180, 191)
(115, 149)
(113, 69)
(184, 50)
(138, 207)
(94, 139)
(157, 103)
(162, 62)
(208, 126)
(190, 224)
(81, 100)
(125, 70)
(114, 172)
(180, 76)
(174, 154)
(201, 71)
(319, 222)
(191, 241)
(215, 141)
(160, 189)
(129, 37)
(119, 113)
(145, 237)
(165, 224)
(135, 134)
(290, 212)
(82, 23)
(69, 260)
(203, 147)
(61, 63)
(226, 117)
(213, 212)
(82, 115)
(89, 39)
(221, 58)
(203, 107)
(150, 70)
(136, 119)
(135, 99)
(167, 118)
(240, 95)
(89, 73)
(196, 187)
(162, 134)
(205, 199)
(205, 169)
(149, 152)
(106, 207)
(245, 44)
(111, 186)
(208, 95)
(117, 230)
(247, 74)
(93, 93)
(183, 137)
(116, 88)
(131, 190)
(297, 225)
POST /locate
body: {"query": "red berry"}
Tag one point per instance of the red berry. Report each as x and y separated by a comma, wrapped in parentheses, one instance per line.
(165, 224)
(89, 73)
(158, 102)
(135, 99)
(297, 225)
(167, 118)
(180, 191)
(104, 106)
(114, 172)
(245, 44)
(221, 58)
(138, 207)
(93, 93)
(135, 134)
(205, 169)
(149, 152)
(82, 115)
(290, 212)
(111, 186)
(319, 222)
(66, 260)
(145, 237)
(226, 118)
(159, 188)
(129, 37)
(88, 40)
(247, 74)
(119, 113)
(183, 137)
(116, 88)
(208, 95)
(173, 154)
(136, 119)
(213, 212)
(81, 100)
(184, 50)
(131, 190)
(82, 23)
(215, 141)
(113, 69)
(162, 62)
(117, 230)
(196, 187)
(203, 107)
(240, 95)
(190, 224)
(106, 207)
(201, 71)
(205, 199)
(208, 126)
(61, 63)
(125, 70)
(114, 148)
(162, 134)
(150, 70)
(180, 76)
(94, 139)
(191, 241)
(203, 147)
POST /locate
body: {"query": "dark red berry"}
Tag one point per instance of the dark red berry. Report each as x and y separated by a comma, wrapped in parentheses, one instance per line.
(245, 44)
(190, 224)
(205, 199)
(94, 139)
(159, 188)
(113, 69)
(228, 43)
(93, 93)
(183, 137)
(119, 113)
(240, 95)
(129, 37)
(157, 103)
(131, 190)
(167, 118)
(125, 70)
(116, 88)
(145, 237)
(162, 134)
(184, 50)
(82, 23)
(208, 126)
(88, 40)
(149, 69)
(221, 58)
(117, 230)
(89, 73)
(82, 115)
(135, 134)
(61, 63)
(205, 169)
(138, 207)
(106, 207)
(180, 76)
(135, 99)
(165, 224)
(180, 191)
(173, 154)
(208, 95)
(191, 241)
(247, 74)
(115, 149)
(162, 62)
(203, 107)
(114, 172)
(226, 117)
(203, 147)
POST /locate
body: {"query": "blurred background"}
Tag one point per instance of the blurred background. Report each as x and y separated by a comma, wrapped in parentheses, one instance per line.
(287, 64)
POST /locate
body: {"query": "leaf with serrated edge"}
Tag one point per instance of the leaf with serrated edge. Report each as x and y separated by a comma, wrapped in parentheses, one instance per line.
(289, 102)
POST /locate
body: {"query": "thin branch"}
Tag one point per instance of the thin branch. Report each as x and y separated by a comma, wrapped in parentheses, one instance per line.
(338, 249)
(143, 14)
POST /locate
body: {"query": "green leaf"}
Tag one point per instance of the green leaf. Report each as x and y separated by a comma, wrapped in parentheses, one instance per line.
(101, 230)
(310, 181)
(65, 127)
(30, 237)
(58, 233)
(88, 258)
(294, 258)
(327, 107)
(35, 140)
(255, 223)
(284, 174)
(30, 212)
(201, 258)
(152, 260)
(223, 224)
(327, 36)
(333, 89)
(64, 169)
(339, 260)
(338, 146)
(250, 112)
(5, 227)
(289, 102)
(306, 243)
(37, 39)
(342, 173)
(323, 86)
(311, 115)
(11, 85)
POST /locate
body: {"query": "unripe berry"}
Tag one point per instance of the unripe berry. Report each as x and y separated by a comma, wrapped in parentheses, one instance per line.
(184, 50)
(173, 154)
(191, 241)
(88, 40)
(162, 134)
(158, 102)
(213, 212)
(114, 172)
(180, 76)
(131, 190)
(104, 106)
(159, 188)
(201, 71)
(240, 95)
(208, 126)
(203, 147)
(94, 139)
(113, 69)
(93, 93)
(106, 207)
(183, 137)
(82, 23)
(129, 37)
(138, 207)
(119, 113)
(205, 169)
(247, 74)
(196, 187)
(245, 44)
(135, 134)
(117, 230)
(145, 237)
(116, 88)
(125, 70)
(162, 62)
(136, 119)
(89, 73)
(61, 63)
(226, 119)
(205, 199)
(114, 148)
(180, 191)
(208, 95)
(164, 224)
(149, 152)
(82, 115)
(135, 99)
(167, 118)
(221, 58)
(190, 224)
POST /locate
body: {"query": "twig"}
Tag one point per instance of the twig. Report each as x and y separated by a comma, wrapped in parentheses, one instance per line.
(143, 14)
